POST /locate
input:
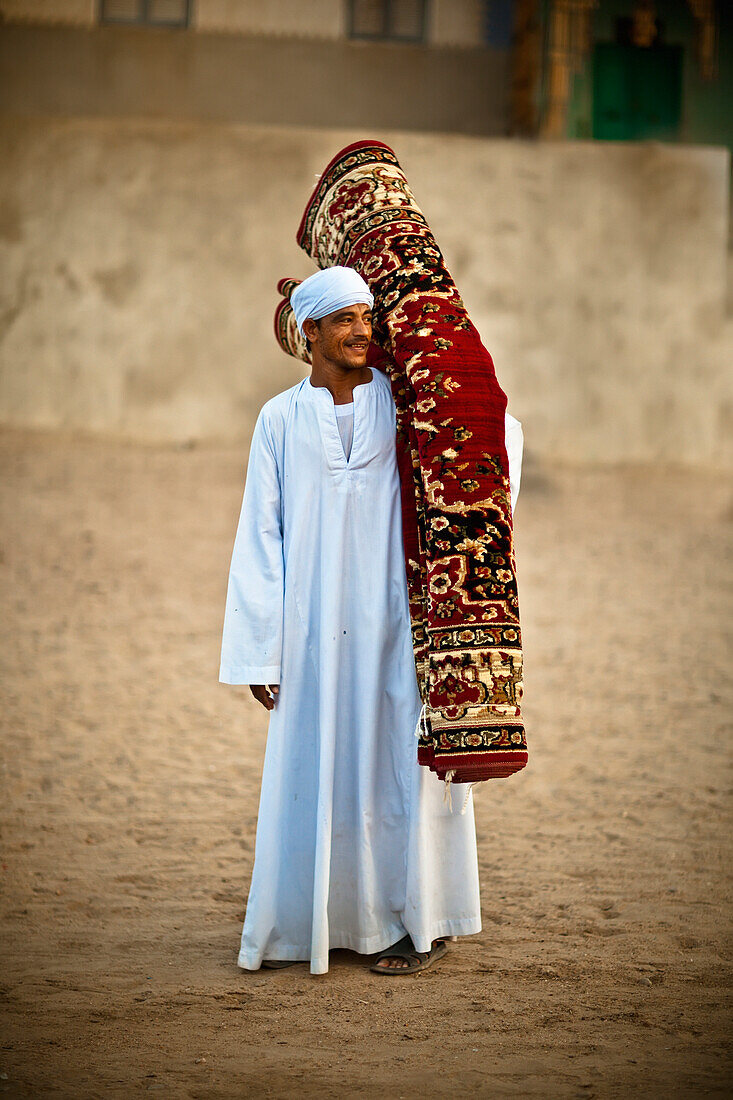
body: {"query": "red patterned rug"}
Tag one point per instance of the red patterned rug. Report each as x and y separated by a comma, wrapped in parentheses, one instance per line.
(457, 518)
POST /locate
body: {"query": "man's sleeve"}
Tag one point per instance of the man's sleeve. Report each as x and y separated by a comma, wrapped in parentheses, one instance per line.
(251, 648)
(514, 440)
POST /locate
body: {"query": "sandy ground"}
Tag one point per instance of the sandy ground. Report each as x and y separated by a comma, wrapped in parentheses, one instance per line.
(131, 779)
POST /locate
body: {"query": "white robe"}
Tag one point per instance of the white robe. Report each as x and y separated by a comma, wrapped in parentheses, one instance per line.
(355, 844)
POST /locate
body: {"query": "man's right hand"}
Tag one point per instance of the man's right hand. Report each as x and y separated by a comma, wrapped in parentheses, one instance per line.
(262, 694)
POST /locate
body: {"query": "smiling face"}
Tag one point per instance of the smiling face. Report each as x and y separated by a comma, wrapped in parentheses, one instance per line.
(341, 338)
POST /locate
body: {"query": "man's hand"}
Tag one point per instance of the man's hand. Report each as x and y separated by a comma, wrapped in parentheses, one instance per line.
(261, 694)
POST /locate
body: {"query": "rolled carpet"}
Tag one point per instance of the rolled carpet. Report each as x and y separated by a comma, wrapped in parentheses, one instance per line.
(454, 471)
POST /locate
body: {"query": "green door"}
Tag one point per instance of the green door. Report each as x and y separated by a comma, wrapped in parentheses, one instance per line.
(637, 92)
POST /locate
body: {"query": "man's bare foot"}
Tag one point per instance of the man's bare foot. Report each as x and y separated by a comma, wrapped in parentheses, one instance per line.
(392, 962)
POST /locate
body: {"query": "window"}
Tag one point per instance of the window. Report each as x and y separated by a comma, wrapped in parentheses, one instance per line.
(151, 13)
(396, 20)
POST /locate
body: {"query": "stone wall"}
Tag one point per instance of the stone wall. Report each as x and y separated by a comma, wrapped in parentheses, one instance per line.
(449, 22)
(139, 261)
(164, 73)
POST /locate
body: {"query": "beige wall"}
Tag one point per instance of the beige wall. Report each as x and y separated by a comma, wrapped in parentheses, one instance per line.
(82, 12)
(456, 22)
(449, 22)
(314, 18)
(164, 73)
(139, 262)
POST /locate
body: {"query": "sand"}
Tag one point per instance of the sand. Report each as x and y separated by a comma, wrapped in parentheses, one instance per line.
(131, 777)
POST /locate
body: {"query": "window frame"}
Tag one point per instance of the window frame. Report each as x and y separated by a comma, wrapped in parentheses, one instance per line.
(143, 19)
(386, 34)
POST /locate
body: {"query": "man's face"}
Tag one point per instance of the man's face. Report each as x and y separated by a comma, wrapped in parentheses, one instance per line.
(342, 337)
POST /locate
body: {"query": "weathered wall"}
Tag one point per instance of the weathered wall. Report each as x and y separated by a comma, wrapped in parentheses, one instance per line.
(156, 72)
(77, 12)
(139, 262)
(449, 22)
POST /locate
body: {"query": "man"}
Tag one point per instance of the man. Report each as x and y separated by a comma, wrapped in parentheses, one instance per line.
(355, 847)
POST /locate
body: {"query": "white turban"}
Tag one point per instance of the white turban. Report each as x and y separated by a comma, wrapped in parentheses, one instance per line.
(326, 291)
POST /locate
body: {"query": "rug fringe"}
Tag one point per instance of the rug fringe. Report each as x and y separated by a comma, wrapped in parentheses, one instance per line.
(422, 721)
(447, 796)
(468, 792)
